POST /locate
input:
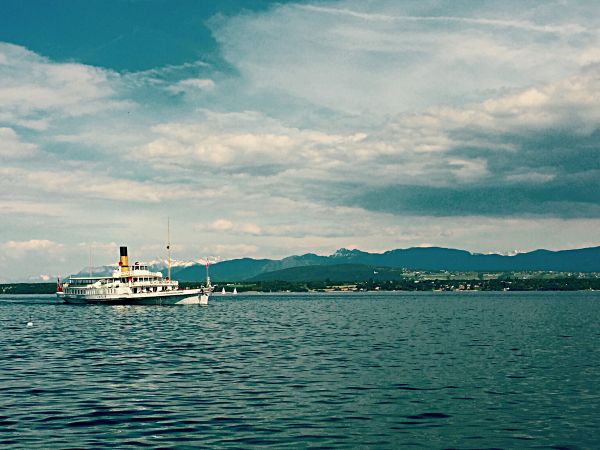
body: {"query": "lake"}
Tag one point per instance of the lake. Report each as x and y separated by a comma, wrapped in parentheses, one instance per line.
(348, 370)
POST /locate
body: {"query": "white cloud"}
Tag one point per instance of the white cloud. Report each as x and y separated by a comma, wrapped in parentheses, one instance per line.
(441, 146)
(191, 85)
(230, 251)
(390, 57)
(250, 228)
(227, 226)
(20, 249)
(11, 147)
(518, 24)
(87, 184)
(33, 88)
(31, 208)
(221, 225)
(222, 140)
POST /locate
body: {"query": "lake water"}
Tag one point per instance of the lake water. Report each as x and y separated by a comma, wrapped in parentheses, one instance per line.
(372, 370)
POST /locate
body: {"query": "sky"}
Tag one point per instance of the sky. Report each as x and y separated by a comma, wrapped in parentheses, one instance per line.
(266, 129)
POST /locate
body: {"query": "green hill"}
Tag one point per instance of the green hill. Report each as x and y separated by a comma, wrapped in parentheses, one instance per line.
(334, 273)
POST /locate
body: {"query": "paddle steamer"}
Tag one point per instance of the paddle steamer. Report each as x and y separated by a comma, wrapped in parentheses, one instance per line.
(132, 285)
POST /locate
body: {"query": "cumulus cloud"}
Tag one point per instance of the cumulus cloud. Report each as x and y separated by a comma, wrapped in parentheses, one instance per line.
(247, 142)
(251, 228)
(33, 88)
(227, 226)
(528, 152)
(30, 208)
(20, 249)
(11, 146)
(221, 225)
(533, 150)
(80, 183)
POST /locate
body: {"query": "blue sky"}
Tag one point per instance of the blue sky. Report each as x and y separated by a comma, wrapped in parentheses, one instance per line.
(266, 129)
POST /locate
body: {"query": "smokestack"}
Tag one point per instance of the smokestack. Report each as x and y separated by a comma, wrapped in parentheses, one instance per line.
(124, 261)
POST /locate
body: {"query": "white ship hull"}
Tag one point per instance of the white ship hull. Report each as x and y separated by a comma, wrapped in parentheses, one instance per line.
(182, 297)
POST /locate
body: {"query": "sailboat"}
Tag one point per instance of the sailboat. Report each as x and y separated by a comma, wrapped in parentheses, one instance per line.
(223, 291)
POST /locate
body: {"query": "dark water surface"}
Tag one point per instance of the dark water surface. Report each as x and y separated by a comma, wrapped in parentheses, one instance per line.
(381, 370)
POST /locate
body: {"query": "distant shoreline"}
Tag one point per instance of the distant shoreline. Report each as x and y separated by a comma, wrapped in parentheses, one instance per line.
(591, 283)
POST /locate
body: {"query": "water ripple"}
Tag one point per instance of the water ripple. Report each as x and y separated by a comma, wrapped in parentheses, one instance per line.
(379, 370)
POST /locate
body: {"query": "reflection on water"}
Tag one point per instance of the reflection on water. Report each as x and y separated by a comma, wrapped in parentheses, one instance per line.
(385, 370)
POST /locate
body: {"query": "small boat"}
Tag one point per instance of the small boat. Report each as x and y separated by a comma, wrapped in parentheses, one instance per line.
(234, 291)
(223, 291)
(132, 285)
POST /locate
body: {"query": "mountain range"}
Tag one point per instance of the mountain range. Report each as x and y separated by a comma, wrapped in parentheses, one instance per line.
(417, 258)
(428, 258)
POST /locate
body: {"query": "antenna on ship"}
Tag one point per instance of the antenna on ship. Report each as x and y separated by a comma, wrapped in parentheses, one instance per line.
(169, 247)
(90, 260)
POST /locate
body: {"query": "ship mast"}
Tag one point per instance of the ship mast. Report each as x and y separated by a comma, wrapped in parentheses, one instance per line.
(207, 277)
(169, 247)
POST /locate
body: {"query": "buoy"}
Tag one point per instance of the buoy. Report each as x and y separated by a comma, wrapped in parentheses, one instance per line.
(30, 323)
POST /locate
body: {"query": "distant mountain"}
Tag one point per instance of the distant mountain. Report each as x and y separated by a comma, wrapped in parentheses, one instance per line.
(429, 258)
(246, 268)
(98, 271)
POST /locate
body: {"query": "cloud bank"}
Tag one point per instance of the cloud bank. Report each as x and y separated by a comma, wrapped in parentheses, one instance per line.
(336, 124)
